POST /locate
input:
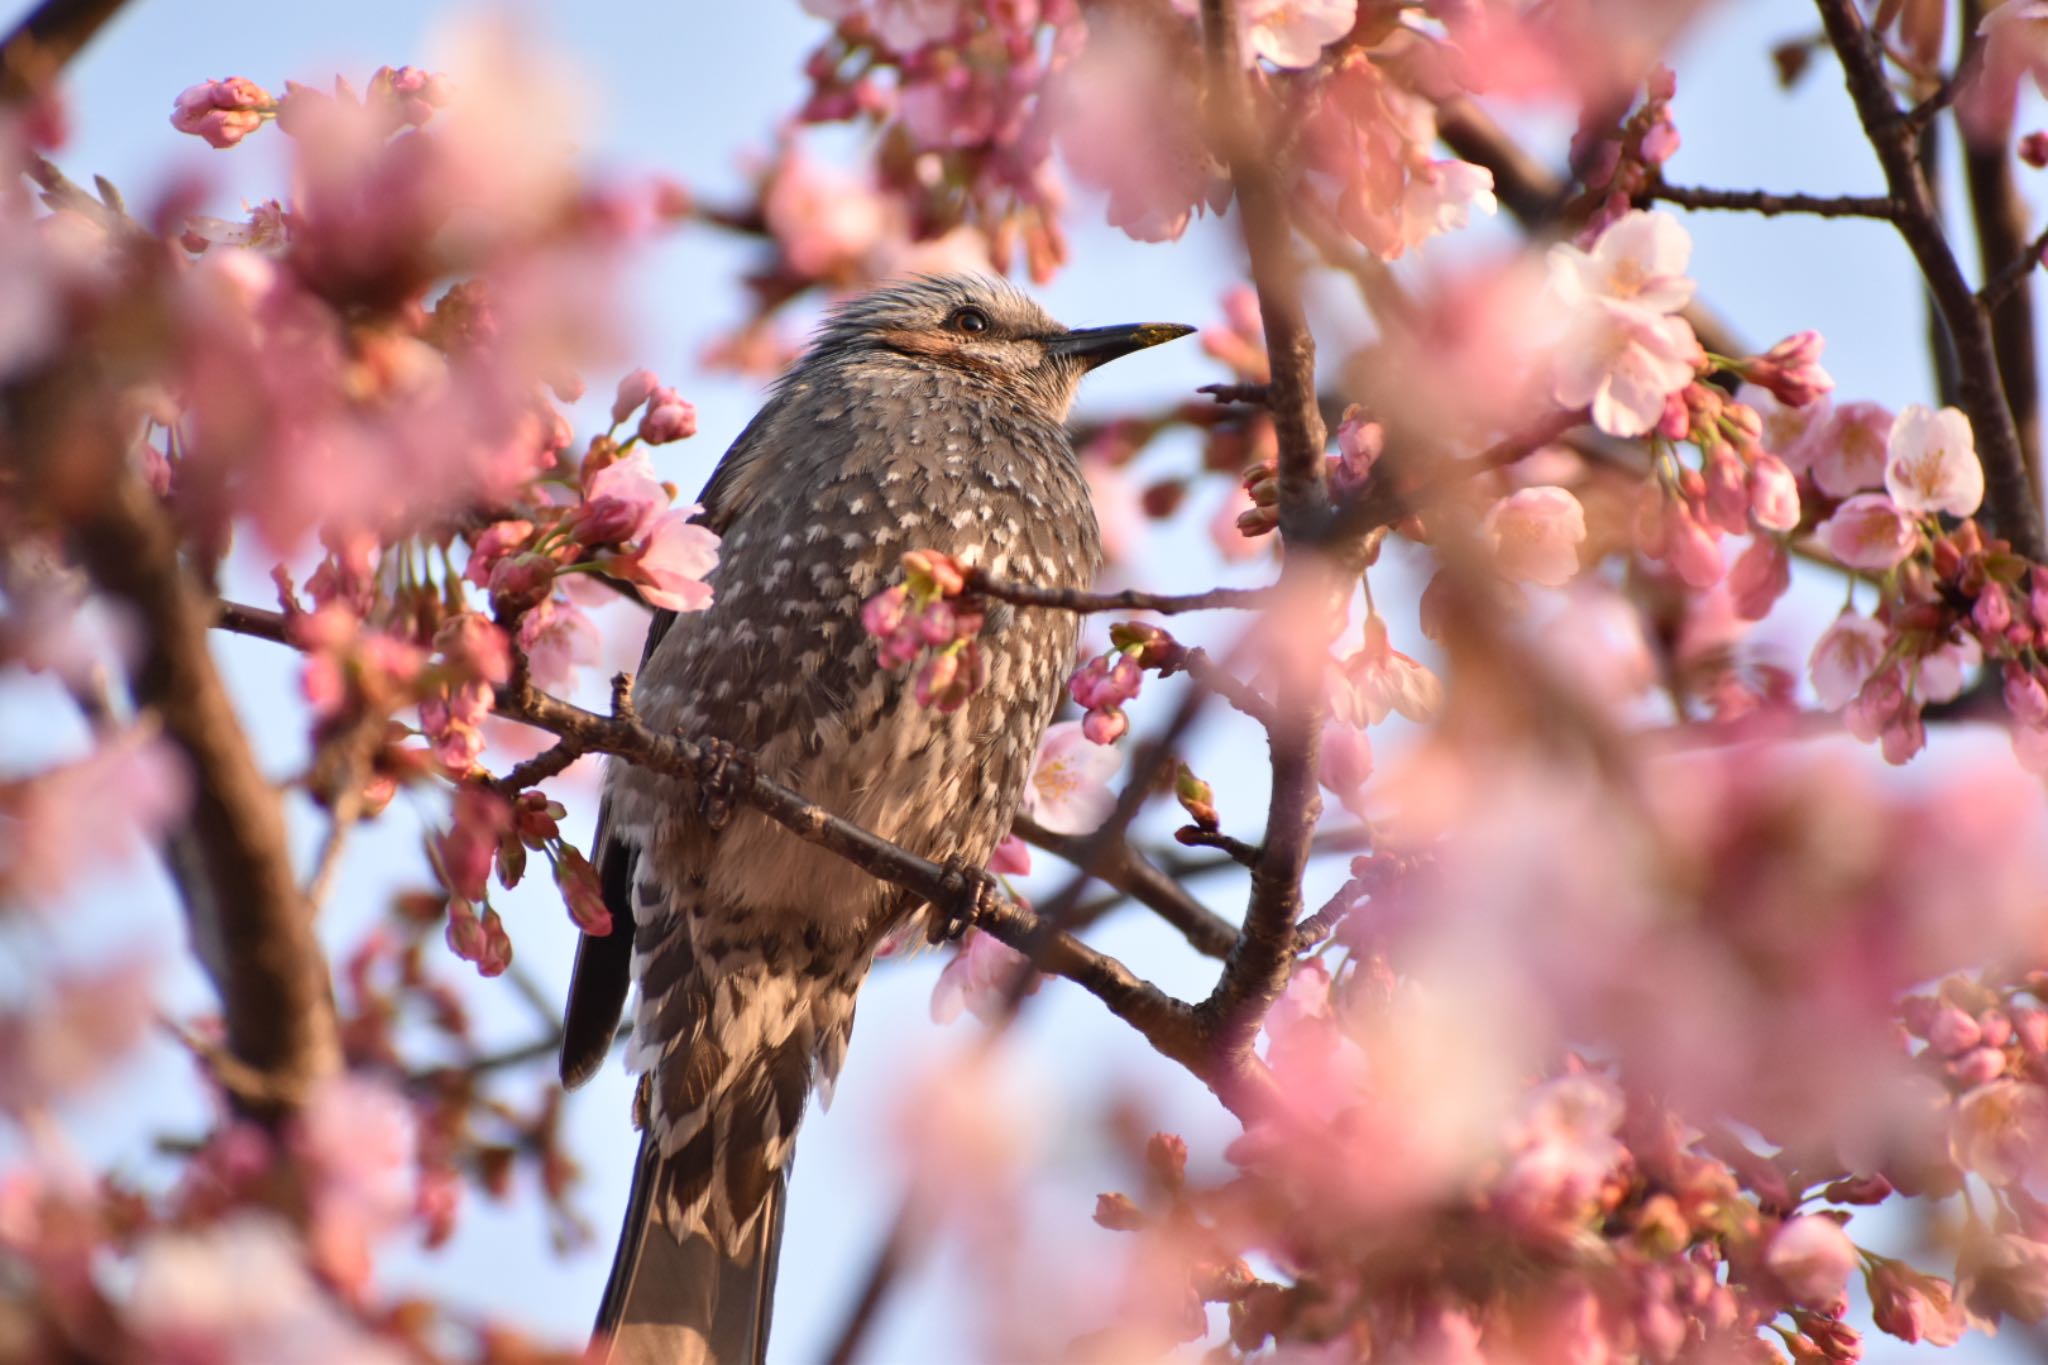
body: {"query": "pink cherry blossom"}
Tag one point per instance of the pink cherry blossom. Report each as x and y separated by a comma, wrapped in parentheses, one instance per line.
(1382, 679)
(673, 564)
(632, 392)
(1847, 452)
(1561, 1149)
(1639, 260)
(1440, 197)
(1943, 670)
(1536, 533)
(1812, 1257)
(826, 220)
(1288, 33)
(1844, 657)
(1914, 1307)
(630, 480)
(1868, 532)
(359, 1142)
(1069, 788)
(2015, 48)
(1623, 363)
(983, 972)
(1786, 432)
(557, 639)
(1931, 463)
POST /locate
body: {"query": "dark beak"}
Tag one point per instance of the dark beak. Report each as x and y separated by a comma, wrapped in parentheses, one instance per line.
(1094, 346)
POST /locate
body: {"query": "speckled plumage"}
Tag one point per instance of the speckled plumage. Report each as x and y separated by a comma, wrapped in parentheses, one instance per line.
(899, 430)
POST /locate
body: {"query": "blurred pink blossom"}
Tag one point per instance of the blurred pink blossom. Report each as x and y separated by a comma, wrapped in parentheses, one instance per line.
(1069, 788)
(671, 565)
(826, 219)
(1761, 575)
(2015, 48)
(105, 810)
(557, 639)
(983, 972)
(1381, 679)
(1813, 1258)
(359, 1141)
(1536, 533)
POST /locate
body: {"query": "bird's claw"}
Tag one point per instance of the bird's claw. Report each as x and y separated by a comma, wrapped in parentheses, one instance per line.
(718, 776)
(965, 892)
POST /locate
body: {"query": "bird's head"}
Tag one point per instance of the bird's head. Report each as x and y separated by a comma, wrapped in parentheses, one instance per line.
(986, 329)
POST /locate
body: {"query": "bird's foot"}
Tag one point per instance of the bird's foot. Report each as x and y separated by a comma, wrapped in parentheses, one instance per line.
(965, 892)
(719, 773)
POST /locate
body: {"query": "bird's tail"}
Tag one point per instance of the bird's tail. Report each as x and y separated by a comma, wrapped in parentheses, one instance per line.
(675, 1297)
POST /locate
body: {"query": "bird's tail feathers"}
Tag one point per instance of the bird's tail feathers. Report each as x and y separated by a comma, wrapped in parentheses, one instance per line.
(676, 1297)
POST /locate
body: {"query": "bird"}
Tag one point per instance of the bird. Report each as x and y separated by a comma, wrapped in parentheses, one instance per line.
(928, 414)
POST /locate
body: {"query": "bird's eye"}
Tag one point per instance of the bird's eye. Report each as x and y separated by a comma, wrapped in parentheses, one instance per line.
(969, 320)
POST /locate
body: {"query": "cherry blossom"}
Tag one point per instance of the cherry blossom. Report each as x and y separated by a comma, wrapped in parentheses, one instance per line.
(223, 112)
(1382, 680)
(1847, 653)
(1623, 352)
(1847, 452)
(1869, 532)
(1536, 533)
(103, 810)
(1069, 788)
(671, 565)
(557, 639)
(1813, 1258)
(981, 976)
(1931, 463)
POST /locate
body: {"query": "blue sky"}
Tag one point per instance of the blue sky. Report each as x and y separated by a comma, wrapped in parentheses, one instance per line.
(691, 90)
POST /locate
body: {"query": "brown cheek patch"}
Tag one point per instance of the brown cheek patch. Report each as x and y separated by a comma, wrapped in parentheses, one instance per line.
(937, 345)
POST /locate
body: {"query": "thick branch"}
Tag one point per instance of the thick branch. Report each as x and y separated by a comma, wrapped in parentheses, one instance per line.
(1263, 957)
(1291, 349)
(2011, 503)
(252, 928)
(41, 44)
(1772, 204)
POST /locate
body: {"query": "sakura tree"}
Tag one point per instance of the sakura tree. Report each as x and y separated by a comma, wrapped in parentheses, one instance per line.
(1629, 939)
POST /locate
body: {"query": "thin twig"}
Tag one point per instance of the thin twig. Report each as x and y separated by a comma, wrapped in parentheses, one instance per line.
(1139, 879)
(1128, 599)
(1207, 673)
(1235, 849)
(1770, 204)
(2011, 502)
(2013, 272)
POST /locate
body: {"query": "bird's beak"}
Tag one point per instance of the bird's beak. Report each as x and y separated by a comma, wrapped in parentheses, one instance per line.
(1094, 346)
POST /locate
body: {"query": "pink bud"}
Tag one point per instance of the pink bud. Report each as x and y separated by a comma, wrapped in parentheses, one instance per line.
(883, 613)
(1676, 423)
(1773, 493)
(1978, 1066)
(633, 391)
(1727, 491)
(1761, 575)
(1105, 725)
(1791, 370)
(1952, 1032)
(521, 581)
(1659, 142)
(605, 521)
(1996, 1026)
(2034, 150)
(1693, 551)
(1993, 610)
(668, 418)
(2030, 1026)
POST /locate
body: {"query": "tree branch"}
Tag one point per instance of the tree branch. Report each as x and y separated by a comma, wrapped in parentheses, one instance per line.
(1262, 958)
(1164, 1022)
(1137, 877)
(2012, 506)
(251, 927)
(42, 44)
(1771, 204)
(1129, 599)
